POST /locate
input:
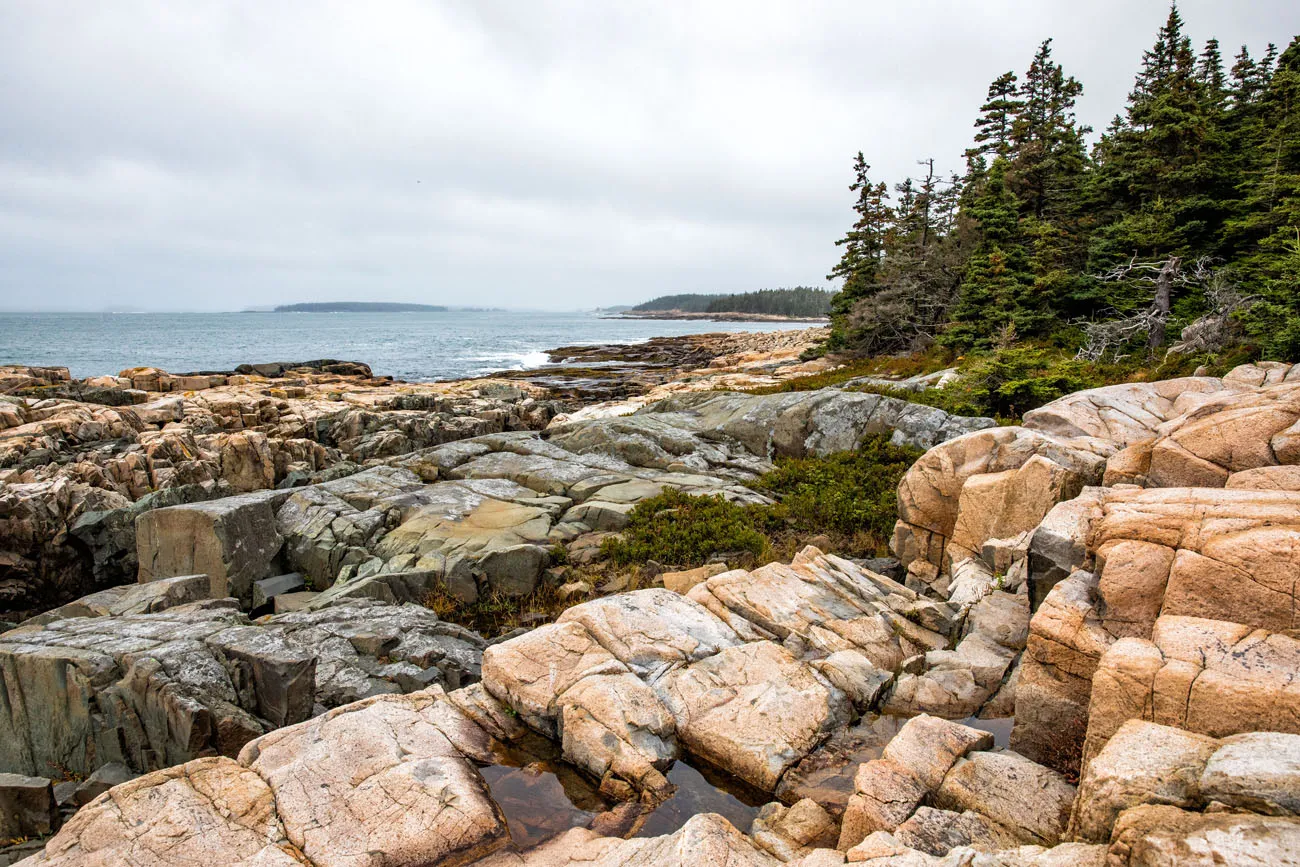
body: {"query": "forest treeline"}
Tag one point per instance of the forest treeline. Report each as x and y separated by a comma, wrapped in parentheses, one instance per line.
(800, 301)
(1179, 227)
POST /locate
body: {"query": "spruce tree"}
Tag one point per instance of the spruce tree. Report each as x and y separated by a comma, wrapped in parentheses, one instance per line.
(996, 292)
(1269, 227)
(997, 118)
(1164, 175)
(863, 250)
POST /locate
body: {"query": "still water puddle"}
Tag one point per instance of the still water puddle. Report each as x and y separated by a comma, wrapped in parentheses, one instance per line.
(539, 794)
(999, 728)
(542, 796)
(701, 789)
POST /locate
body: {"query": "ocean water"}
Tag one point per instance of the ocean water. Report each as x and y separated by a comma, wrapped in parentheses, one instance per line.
(410, 346)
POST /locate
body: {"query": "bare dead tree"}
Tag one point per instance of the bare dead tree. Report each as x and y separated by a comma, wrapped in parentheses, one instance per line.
(1109, 336)
(1215, 329)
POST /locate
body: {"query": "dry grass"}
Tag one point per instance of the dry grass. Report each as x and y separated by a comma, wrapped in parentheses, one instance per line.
(495, 613)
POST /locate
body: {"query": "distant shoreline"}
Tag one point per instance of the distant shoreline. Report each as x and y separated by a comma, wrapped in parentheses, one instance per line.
(359, 307)
(715, 317)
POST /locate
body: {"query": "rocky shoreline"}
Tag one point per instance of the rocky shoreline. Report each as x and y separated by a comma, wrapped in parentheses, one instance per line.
(1084, 653)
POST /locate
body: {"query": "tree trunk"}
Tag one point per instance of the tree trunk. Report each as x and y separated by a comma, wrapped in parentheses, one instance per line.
(1160, 306)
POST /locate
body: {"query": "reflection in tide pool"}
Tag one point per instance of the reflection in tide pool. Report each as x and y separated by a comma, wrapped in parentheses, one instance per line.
(704, 790)
(542, 796)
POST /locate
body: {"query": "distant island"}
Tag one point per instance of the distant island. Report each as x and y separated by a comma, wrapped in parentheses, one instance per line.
(800, 302)
(358, 307)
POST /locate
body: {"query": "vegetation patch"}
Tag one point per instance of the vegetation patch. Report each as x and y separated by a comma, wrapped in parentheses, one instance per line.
(496, 613)
(849, 497)
(682, 530)
(1005, 383)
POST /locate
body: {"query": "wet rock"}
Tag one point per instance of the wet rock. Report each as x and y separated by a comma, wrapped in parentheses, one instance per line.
(826, 775)
(614, 725)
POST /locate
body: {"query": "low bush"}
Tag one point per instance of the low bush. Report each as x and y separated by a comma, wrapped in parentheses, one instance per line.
(850, 497)
(1007, 382)
(678, 529)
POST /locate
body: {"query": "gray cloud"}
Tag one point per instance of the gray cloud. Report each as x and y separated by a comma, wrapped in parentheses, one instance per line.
(215, 155)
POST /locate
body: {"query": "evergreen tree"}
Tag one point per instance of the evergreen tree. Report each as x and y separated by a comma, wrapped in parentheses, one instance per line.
(1269, 228)
(996, 292)
(1045, 175)
(1203, 165)
(997, 117)
(1209, 74)
(863, 250)
(1164, 175)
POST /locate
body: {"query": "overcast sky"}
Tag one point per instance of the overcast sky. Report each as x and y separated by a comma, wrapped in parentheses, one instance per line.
(217, 155)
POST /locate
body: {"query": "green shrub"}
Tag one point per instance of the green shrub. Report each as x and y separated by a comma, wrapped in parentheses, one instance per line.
(851, 497)
(1005, 383)
(678, 529)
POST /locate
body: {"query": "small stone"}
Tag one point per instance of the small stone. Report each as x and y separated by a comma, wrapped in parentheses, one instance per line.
(574, 588)
(682, 582)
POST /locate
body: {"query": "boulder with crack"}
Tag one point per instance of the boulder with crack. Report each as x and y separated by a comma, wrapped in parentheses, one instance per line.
(385, 782)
